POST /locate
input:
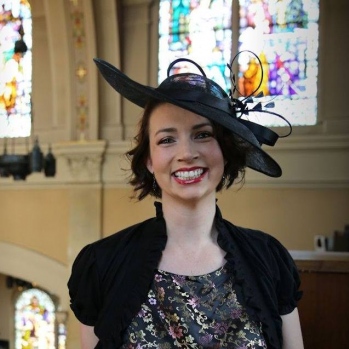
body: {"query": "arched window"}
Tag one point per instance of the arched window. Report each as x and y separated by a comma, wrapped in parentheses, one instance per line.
(35, 320)
(15, 68)
(282, 33)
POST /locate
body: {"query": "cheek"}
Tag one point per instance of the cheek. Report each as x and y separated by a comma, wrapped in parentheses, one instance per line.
(150, 160)
(150, 165)
(216, 153)
(219, 162)
(156, 160)
(163, 161)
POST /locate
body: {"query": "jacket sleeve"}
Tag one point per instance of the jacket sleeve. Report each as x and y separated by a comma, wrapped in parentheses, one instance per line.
(286, 277)
(83, 285)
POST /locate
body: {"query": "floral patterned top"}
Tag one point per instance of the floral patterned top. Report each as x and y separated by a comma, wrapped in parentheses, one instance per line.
(193, 312)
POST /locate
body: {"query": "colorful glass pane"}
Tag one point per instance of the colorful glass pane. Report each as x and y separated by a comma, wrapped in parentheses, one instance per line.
(15, 68)
(284, 36)
(35, 320)
(62, 336)
(199, 30)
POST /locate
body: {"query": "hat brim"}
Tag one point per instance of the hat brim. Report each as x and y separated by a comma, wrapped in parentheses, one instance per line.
(139, 94)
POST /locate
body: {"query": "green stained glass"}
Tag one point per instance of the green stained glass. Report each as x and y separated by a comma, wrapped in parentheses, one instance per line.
(15, 68)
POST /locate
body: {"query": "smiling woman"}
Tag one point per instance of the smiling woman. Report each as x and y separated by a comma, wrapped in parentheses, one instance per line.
(188, 277)
(184, 158)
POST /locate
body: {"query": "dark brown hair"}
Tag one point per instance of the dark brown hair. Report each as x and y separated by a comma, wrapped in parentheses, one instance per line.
(234, 152)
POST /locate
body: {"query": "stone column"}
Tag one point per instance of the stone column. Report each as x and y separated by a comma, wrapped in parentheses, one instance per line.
(80, 167)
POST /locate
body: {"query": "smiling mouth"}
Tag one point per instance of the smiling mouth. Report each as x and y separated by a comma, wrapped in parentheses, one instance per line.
(189, 175)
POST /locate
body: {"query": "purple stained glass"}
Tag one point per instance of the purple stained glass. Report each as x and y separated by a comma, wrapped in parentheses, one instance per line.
(35, 320)
(284, 36)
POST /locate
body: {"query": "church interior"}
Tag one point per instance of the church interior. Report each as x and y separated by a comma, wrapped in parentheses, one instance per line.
(46, 221)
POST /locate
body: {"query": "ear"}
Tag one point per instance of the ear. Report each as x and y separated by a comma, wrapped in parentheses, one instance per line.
(150, 165)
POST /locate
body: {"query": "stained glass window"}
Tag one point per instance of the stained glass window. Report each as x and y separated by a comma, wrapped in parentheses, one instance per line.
(282, 33)
(284, 36)
(35, 320)
(199, 30)
(62, 336)
(15, 68)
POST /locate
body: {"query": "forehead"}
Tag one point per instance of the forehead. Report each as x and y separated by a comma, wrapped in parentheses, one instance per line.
(166, 114)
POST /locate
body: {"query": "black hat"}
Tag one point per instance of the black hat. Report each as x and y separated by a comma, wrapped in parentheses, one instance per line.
(203, 96)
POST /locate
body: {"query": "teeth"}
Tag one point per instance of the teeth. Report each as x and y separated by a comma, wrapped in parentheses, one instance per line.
(189, 175)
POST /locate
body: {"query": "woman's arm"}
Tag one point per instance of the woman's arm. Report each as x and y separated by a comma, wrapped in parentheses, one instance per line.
(291, 331)
(88, 338)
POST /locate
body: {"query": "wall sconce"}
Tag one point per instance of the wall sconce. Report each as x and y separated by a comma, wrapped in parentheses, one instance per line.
(19, 166)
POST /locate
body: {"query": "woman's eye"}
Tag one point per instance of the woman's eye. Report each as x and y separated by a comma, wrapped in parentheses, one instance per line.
(205, 134)
(165, 140)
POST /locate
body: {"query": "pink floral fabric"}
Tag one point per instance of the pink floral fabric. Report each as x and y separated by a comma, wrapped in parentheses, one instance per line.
(193, 312)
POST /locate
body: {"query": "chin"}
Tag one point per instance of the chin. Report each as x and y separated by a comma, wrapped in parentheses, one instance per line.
(195, 196)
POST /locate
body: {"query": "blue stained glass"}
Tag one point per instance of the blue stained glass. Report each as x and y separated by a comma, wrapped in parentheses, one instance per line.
(284, 36)
(15, 68)
(199, 30)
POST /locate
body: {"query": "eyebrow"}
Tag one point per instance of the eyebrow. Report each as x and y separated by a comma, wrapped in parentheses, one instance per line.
(173, 129)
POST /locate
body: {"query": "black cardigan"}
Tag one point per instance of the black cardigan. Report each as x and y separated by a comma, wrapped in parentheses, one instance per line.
(111, 277)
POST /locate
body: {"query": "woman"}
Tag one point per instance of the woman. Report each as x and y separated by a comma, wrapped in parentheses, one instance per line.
(187, 278)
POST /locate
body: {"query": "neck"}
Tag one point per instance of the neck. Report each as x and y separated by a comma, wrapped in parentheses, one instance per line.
(191, 247)
(190, 222)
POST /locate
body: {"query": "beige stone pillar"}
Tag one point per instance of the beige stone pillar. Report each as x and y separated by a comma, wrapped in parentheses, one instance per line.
(81, 168)
(137, 53)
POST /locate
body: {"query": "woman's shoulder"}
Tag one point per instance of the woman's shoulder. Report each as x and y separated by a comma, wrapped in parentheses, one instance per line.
(256, 241)
(249, 234)
(124, 237)
(113, 250)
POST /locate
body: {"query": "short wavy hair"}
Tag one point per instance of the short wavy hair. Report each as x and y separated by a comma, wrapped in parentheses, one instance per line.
(234, 150)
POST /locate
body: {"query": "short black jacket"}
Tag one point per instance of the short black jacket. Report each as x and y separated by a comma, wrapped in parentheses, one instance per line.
(111, 277)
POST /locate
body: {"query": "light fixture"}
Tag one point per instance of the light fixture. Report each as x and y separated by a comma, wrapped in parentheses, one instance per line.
(19, 166)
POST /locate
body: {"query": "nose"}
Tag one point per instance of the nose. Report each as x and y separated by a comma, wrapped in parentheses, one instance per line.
(187, 151)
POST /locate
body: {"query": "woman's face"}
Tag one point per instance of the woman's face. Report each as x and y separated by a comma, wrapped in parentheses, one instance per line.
(185, 156)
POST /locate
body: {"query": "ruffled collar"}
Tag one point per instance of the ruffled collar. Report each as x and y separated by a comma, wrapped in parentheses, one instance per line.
(242, 261)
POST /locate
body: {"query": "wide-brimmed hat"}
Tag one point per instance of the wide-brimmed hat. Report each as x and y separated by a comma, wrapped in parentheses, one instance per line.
(203, 96)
